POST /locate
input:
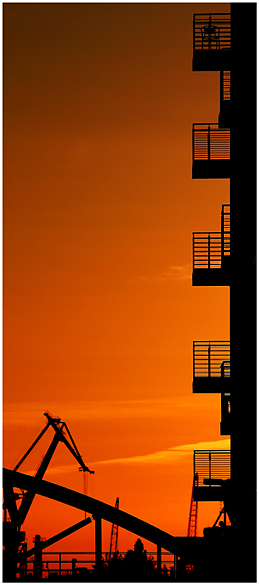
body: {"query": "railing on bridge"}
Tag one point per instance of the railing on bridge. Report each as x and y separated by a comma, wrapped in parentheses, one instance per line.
(211, 466)
(212, 32)
(58, 564)
(210, 142)
(211, 359)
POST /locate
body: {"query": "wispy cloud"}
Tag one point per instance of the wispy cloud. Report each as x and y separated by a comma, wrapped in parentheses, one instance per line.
(169, 456)
(172, 273)
(55, 470)
(29, 414)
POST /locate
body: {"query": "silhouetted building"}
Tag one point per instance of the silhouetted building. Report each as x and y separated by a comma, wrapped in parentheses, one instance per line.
(227, 149)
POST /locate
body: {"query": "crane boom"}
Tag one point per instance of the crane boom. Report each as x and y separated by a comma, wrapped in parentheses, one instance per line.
(32, 446)
(58, 427)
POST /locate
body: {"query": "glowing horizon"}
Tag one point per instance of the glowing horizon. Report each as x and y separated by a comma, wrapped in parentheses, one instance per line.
(99, 209)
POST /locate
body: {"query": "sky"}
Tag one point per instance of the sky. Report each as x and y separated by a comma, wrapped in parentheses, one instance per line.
(99, 207)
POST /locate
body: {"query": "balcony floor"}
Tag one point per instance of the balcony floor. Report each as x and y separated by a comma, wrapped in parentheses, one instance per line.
(210, 385)
(213, 60)
(210, 277)
(208, 494)
(211, 169)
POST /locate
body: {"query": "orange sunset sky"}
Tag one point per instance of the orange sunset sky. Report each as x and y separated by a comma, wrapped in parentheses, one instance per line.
(99, 209)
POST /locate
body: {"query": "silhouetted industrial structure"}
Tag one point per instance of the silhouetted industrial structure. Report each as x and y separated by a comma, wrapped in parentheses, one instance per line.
(15, 547)
(114, 536)
(222, 150)
(227, 149)
(193, 514)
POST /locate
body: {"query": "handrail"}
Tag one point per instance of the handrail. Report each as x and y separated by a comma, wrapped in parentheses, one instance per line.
(206, 250)
(211, 465)
(67, 566)
(210, 142)
(225, 229)
(211, 359)
(210, 248)
(212, 32)
(226, 86)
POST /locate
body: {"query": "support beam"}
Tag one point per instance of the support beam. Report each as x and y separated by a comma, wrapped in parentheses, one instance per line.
(159, 559)
(37, 565)
(98, 543)
(59, 536)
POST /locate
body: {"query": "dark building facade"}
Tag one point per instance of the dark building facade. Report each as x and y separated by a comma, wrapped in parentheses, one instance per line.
(227, 149)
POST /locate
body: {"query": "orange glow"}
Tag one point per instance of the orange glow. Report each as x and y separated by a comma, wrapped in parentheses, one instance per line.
(99, 210)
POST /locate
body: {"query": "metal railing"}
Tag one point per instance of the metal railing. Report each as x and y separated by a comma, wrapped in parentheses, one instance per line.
(225, 86)
(211, 465)
(211, 359)
(72, 563)
(209, 248)
(225, 230)
(206, 250)
(210, 142)
(212, 32)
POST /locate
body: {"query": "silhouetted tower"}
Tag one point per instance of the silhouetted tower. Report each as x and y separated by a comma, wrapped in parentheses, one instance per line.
(193, 515)
(227, 150)
(114, 536)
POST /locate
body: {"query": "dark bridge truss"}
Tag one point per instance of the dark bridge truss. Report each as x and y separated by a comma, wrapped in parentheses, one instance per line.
(180, 546)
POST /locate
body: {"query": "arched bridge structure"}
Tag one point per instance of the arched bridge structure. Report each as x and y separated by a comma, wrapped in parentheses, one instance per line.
(99, 511)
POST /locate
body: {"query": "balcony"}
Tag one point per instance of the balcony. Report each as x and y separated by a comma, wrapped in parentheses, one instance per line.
(211, 42)
(224, 118)
(211, 254)
(210, 152)
(212, 469)
(225, 425)
(211, 367)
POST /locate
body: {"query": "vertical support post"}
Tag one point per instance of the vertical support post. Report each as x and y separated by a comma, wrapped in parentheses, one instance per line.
(209, 34)
(175, 566)
(59, 563)
(208, 250)
(25, 560)
(37, 566)
(98, 543)
(74, 567)
(158, 559)
(209, 360)
(208, 142)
